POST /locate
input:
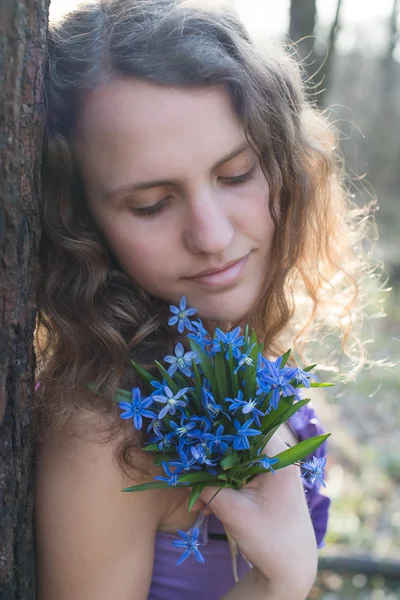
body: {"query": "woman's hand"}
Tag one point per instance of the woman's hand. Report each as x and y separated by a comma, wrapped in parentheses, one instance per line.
(270, 522)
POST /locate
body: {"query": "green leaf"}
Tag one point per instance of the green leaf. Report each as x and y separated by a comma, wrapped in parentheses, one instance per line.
(143, 374)
(147, 486)
(194, 494)
(197, 381)
(165, 375)
(321, 384)
(150, 448)
(119, 398)
(309, 368)
(181, 381)
(282, 418)
(197, 477)
(233, 376)
(93, 388)
(285, 358)
(300, 451)
(230, 460)
(250, 377)
(126, 393)
(220, 373)
(206, 364)
(264, 441)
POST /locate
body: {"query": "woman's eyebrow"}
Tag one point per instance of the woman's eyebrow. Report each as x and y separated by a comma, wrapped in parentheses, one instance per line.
(144, 185)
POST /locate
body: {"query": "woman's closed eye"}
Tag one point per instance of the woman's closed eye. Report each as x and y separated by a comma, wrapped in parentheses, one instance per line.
(148, 211)
(240, 178)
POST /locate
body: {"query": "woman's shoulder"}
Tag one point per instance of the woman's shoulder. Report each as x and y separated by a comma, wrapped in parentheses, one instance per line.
(86, 448)
(85, 527)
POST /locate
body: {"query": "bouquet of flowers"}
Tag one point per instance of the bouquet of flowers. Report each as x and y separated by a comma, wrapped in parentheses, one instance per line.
(212, 410)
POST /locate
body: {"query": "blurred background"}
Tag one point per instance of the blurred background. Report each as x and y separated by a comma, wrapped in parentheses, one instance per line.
(351, 49)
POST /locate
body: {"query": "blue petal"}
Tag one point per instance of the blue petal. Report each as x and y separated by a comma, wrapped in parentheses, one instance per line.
(187, 324)
(182, 303)
(186, 371)
(184, 556)
(183, 534)
(125, 405)
(138, 421)
(179, 544)
(126, 415)
(179, 350)
(170, 359)
(136, 395)
(198, 555)
(149, 414)
(181, 326)
(173, 320)
(172, 369)
(163, 411)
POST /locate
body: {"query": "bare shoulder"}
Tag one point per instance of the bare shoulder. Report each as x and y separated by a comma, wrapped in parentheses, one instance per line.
(93, 541)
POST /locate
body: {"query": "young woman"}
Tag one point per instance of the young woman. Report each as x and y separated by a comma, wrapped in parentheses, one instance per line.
(179, 160)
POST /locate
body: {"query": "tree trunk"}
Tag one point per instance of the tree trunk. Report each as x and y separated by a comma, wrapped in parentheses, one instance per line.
(325, 72)
(303, 16)
(23, 25)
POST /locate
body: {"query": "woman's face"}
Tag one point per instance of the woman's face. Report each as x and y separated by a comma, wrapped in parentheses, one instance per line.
(178, 193)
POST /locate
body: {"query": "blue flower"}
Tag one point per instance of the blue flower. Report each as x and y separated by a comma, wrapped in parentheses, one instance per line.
(200, 455)
(181, 315)
(203, 422)
(272, 378)
(314, 470)
(164, 440)
(172, 478)
(208, 401)
(240, 441)
(248, 407)
(232, 339)
(235, 403)
(218, 440)
(158, 386)
(200, 336)
(170, 400)
(190, 541)
(304, 377)
(156, 426)
(267, 462)
(185, 463)
(137, 408)
(184, 427)
(181, 361)
(244, 360)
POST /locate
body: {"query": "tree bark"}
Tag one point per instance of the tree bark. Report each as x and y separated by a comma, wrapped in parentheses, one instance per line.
(303, 16)
(326, 70)
(23, 26)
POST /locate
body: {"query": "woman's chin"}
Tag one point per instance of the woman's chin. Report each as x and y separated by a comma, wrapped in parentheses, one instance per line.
(225, 321)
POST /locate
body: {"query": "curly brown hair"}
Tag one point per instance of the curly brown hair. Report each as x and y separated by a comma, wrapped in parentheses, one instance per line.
(91, 317)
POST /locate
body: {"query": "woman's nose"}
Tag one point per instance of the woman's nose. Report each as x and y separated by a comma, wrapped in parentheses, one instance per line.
(208, 228)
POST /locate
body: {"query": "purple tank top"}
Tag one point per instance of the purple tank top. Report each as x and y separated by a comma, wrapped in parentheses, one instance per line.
(196, 581)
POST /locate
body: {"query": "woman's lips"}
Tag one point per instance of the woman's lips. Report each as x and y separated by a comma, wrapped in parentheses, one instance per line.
(225, 277)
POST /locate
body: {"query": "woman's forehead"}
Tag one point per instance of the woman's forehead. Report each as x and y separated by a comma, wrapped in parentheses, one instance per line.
(132, 127)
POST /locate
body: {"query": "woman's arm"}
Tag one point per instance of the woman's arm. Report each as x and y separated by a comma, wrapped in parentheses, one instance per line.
(270, 522)
(255, 586)
(92, 541)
